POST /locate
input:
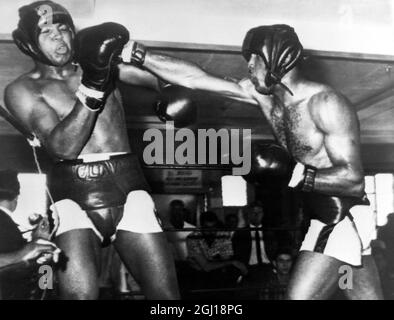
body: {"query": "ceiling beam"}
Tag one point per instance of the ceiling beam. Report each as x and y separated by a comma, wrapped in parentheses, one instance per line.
(370, 106)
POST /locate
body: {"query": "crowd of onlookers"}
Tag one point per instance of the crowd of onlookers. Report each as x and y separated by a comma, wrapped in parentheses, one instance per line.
(234, 258)
(229, 258)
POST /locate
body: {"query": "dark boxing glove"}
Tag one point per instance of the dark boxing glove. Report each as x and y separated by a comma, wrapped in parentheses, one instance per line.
(97, 52)
(269, 161)
(175, 103)
(327, 209)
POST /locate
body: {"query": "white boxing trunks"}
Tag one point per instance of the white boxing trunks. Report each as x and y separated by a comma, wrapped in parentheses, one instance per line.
(349, 240)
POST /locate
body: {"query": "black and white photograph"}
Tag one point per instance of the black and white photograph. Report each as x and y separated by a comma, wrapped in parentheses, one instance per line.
(208, 152)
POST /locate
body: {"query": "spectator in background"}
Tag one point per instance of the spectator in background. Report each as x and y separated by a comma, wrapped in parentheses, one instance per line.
(19, 259)
(250, 248)
(277, 280)
(231, 220)
(386, 234)
(211, 256)
(177, 216)
(385, 273)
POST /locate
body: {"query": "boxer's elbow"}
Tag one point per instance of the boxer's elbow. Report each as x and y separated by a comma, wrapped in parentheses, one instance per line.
(358, 189)
(356, 184)
(62, 152)
(62, 148)
(67, 155)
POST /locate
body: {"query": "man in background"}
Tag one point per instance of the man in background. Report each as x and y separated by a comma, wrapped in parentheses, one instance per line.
(18, 258)
(277, 280)
(250, 248)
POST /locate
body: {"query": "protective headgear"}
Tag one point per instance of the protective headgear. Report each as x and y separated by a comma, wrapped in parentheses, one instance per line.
(279, 47)
(32, 18)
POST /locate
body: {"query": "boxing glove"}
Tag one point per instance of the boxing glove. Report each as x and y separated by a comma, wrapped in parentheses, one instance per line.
(269, 160)
(328, 209)
(175, 103)
(97, 52)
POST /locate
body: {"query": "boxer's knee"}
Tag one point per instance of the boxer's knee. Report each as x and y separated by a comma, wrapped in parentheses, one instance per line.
(139, 214)
(82, 292)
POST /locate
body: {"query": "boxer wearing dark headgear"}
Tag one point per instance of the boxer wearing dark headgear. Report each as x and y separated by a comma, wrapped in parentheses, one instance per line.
(278, 46)
(319, 128)
(96, 182)
(33, 19)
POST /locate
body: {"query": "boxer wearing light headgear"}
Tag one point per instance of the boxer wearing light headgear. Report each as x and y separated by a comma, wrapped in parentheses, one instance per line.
(319, 129)
(99, 191)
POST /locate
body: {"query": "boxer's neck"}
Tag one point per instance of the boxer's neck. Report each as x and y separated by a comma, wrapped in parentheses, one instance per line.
(55, 72)
(293, 81)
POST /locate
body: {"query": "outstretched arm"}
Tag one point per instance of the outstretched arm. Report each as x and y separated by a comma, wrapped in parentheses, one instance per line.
(183, 73)
(337, 120)
(190, 75)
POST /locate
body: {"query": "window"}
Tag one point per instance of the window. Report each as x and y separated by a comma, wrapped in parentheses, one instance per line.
(234, 191)
(380, 192)
(32, 198)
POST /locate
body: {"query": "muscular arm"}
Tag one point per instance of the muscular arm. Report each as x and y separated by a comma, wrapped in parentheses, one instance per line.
(337, 120)
(63, 138)
(130, 74)
(187, 74)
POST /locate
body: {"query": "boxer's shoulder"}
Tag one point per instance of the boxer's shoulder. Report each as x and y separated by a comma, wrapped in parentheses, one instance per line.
(326, 103)
(20, 93)
(24, 99)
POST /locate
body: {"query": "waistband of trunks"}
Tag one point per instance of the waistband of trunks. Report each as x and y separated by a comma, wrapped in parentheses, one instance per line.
(84, 161)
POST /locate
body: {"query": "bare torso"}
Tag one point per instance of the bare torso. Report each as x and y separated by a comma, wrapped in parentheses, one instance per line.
(294, 127)
(109, 133)
(296, 131)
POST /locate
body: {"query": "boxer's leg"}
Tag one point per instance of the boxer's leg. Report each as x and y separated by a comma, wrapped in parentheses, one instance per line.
(315, 277)
(79, 278)
(148, 258)
(80, 242)
(366, 281)
(144, 249)
(324, 251)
